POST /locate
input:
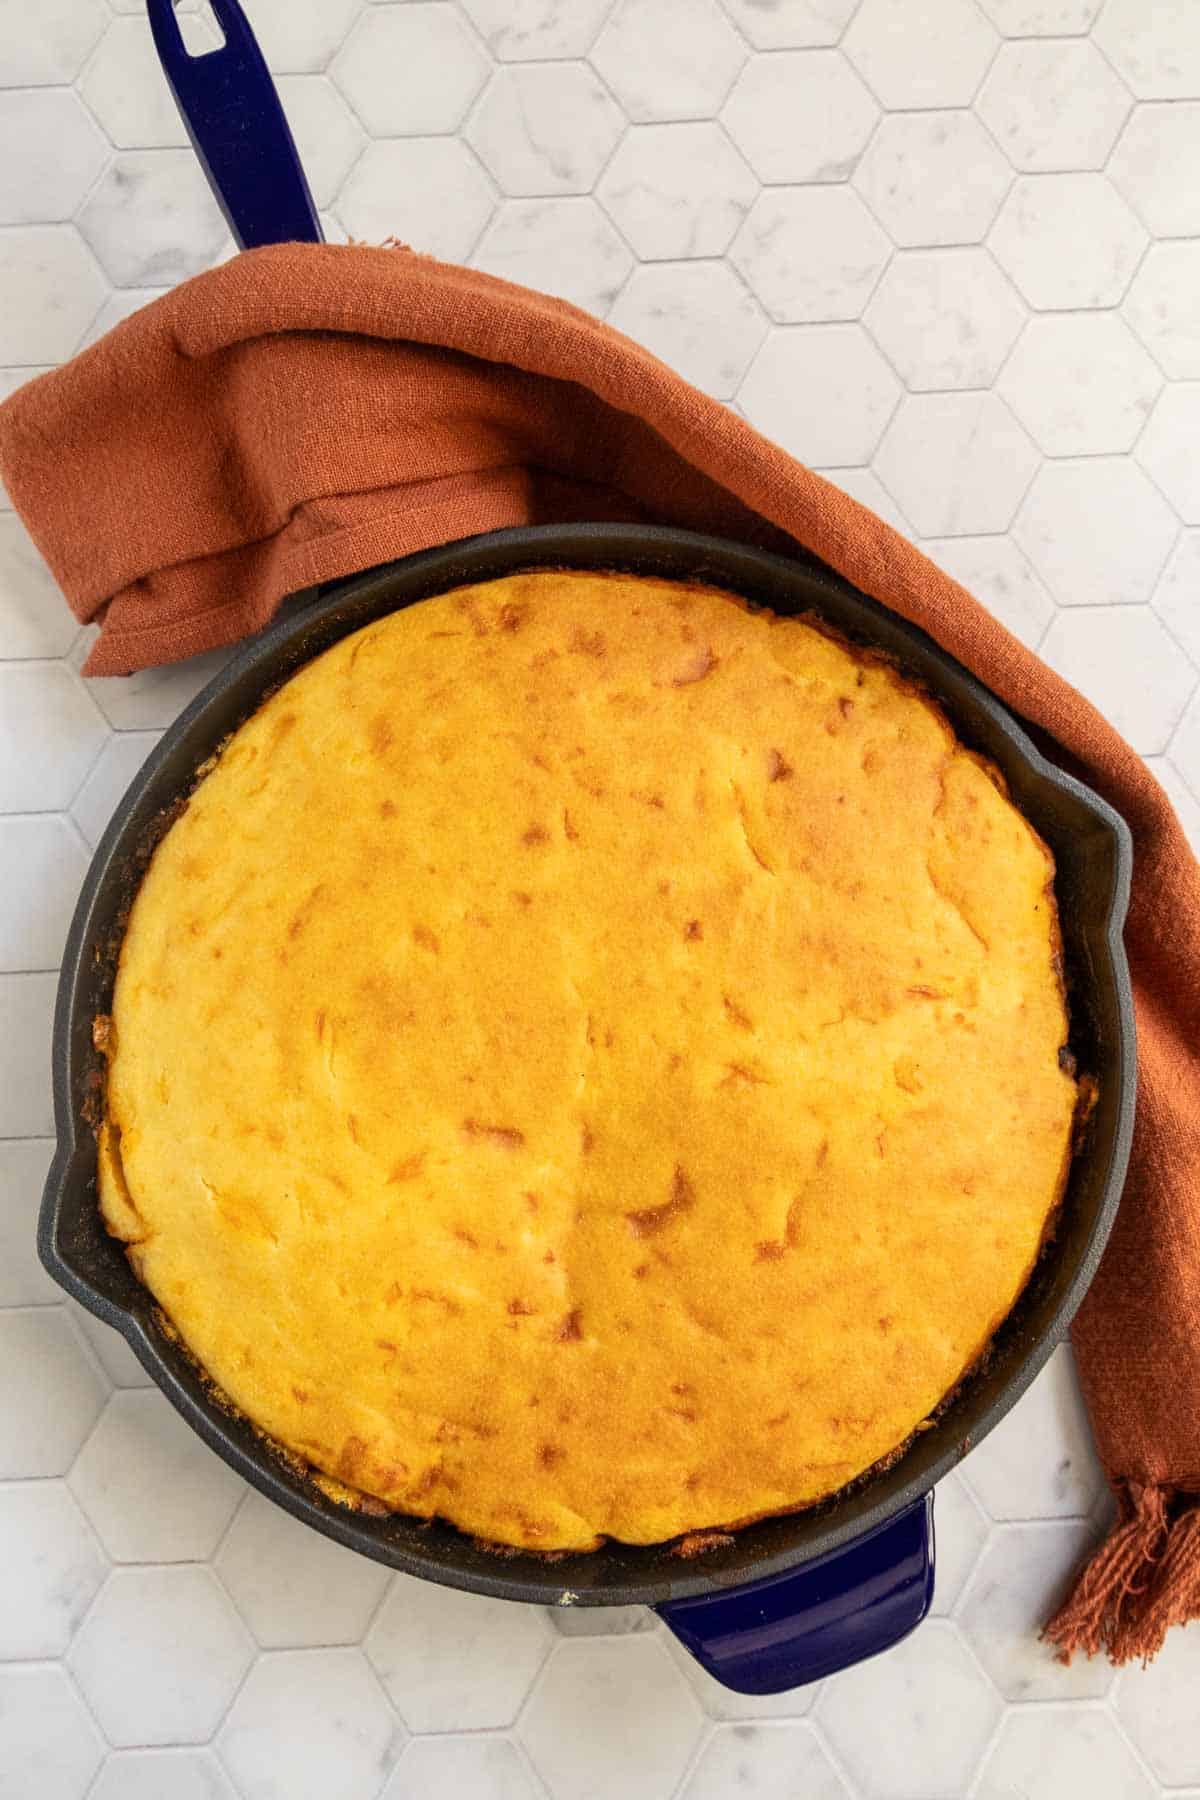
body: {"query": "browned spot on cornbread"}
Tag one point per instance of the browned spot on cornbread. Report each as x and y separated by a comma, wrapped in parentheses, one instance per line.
(408, 1168)
(652, 1219)
(505, 1137)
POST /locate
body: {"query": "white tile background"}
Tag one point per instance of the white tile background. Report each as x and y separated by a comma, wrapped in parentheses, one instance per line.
(948, 251)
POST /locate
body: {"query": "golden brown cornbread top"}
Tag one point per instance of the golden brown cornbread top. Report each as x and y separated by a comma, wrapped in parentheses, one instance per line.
(586, 1061)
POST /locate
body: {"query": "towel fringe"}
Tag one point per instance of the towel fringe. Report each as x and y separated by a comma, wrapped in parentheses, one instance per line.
(1143, 1579)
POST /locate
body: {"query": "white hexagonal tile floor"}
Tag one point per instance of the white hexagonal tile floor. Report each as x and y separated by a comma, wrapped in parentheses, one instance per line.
(1156, 49)
(109, 777)
(675, 60)
(545, 128)
(942, 64)
(44, 862)
(50, 154)
(601, 1621)
(489, 1767)
(160, 1656)
(1068, 241)
(27, 1007)
(1176, 599)
(649, 189)
(119, 305)
(928, 1701)
(112, 1352)
(696, 316)
(162, 1775)
(50, 1394)
(563, 246)
(531, 31)
(1163, 306)
(933, 178)
(824, 392)
(428, 191)
(49, 1744)
(1156, 1706)
(945, 318)
(1021, 1579)
(51, 289)
(436, 1651)
(1185, 749)
(24, 1163)
(1033, 1756)
(408, 70)
(1053, 105)
(1042, 18)
(955, 266)
(1187, 807)
(151, 219)
(1097, 531)
(1080, 384)
(611, 1716)
(812, 255)
(1000, 575)
(67, 31)
(1167, 448)
(957, 463)
(275, 1743)
(1156, 166)
(959, 1529)
(1121, 658)
(292, 1586)
(124, 88)
(800, 116)
(151, 1488)
(33, 620)
(790, 24)
(774, 1762)
(50, 734)
(153, 698)
(298, 37)
(1038, 1462)
(53, 1569)
(328, 136)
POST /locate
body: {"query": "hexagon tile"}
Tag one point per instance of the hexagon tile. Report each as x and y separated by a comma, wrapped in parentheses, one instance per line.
(946, 251)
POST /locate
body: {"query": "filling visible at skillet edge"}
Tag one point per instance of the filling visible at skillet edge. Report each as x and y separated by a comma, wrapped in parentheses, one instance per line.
(586, 1062)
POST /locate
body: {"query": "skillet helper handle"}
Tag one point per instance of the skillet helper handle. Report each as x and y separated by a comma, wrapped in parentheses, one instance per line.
(768, 1636)
(238, 130)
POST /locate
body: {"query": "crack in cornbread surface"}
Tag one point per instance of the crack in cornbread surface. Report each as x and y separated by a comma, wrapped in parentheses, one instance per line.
(586, 1062)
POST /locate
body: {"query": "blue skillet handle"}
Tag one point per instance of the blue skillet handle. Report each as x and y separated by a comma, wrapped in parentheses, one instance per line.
(780, 1633)
(238, 130)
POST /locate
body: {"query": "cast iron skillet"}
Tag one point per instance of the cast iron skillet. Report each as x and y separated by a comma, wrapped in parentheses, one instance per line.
(865, 1559)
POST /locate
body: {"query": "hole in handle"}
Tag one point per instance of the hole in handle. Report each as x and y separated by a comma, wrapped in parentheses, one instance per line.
(200, 29)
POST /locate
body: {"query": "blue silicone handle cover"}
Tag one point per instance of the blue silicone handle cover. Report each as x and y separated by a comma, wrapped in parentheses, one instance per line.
(234, 118)
(767, 1636)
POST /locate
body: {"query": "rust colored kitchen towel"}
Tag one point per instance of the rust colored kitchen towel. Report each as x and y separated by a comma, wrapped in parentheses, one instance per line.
(305, 411)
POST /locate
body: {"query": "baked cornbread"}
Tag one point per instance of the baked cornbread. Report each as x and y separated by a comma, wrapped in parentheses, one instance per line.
(586, 1062)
